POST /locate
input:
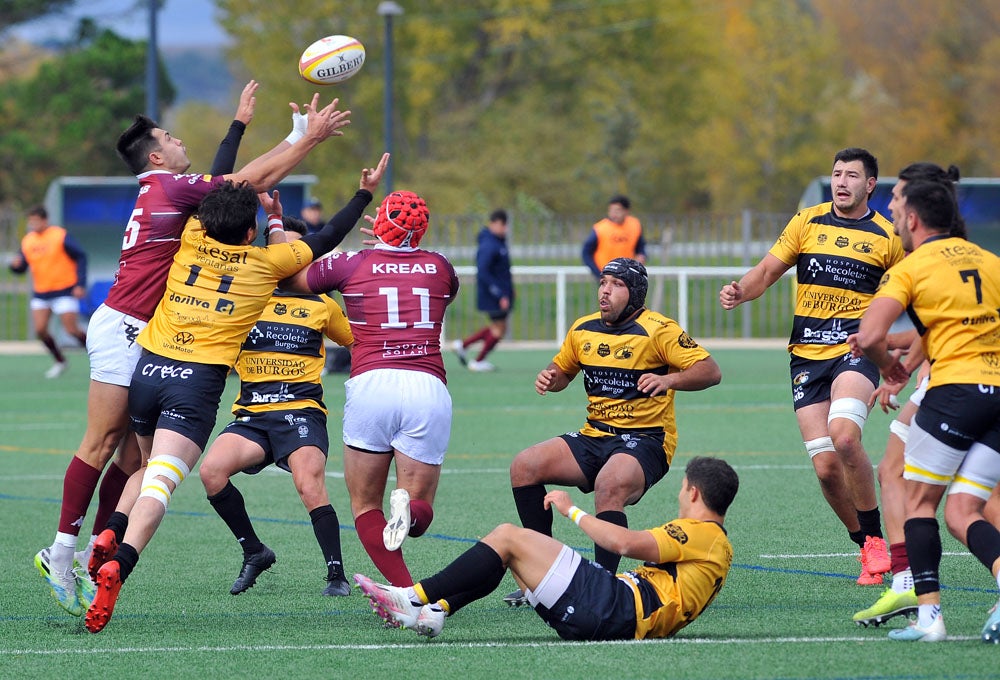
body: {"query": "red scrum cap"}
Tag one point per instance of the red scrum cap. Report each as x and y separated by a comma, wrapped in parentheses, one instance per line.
(402, 220)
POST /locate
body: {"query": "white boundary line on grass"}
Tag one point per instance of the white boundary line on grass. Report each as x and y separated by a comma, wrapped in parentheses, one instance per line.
(453, 645)
(853, 554)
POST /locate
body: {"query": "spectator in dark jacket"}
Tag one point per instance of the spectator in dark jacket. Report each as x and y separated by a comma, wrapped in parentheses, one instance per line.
(495, 292)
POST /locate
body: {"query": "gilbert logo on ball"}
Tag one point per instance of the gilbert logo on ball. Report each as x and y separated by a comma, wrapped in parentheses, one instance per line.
(332, 59)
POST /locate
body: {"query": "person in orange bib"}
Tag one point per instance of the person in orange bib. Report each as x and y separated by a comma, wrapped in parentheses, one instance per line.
(59, 279)
(617, 235)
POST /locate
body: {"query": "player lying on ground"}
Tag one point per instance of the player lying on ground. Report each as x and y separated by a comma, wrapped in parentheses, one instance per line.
(686, 563)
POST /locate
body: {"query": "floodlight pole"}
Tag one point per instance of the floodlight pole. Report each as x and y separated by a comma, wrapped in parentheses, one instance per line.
(388, 10)
(152, 72)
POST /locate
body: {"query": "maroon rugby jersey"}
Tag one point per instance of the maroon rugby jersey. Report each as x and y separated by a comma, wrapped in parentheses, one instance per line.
(152, 237)
(394, 299)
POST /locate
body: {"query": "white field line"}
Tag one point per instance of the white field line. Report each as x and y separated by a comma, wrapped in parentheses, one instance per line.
(437, 646)
(444, 471)
(806, 556)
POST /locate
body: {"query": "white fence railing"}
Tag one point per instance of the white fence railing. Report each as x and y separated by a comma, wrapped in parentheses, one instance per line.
(550, 298)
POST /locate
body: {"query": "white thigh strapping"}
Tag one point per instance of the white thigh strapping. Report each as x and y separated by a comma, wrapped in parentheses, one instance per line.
(849, 408)
(979, 472)
(555, 582)
(409, 411)
(929, 460)
(111, 346)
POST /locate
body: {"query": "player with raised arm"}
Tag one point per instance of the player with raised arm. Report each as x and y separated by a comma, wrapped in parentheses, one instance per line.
(281, 420)
(217, 288)
(398, 409)
(148, 246)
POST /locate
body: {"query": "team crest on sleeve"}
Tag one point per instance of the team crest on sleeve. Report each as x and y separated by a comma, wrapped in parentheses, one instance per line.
(686, 341)
(885, 280)
(677, 533)
(586, 347)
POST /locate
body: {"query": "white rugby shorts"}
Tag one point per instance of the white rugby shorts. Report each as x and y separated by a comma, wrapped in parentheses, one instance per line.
(65, 304)
(930, 461)
(111, 346)
(391, 408)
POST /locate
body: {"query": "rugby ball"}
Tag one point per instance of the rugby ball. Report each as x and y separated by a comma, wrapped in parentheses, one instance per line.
(332, 59)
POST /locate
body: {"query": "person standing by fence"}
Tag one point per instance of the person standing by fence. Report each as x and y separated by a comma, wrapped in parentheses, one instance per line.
(617, 235)
(494, 289)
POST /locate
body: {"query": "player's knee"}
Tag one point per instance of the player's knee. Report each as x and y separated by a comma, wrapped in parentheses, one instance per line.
(504, 533)
(957, 519)
(212, 477)
(524, 469)
(616, 495)
(159, 471)
(312, 492)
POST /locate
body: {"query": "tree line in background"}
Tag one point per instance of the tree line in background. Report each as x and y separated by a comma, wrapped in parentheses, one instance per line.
(550, 106)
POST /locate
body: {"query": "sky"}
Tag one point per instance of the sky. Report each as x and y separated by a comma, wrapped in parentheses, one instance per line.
(180, 23)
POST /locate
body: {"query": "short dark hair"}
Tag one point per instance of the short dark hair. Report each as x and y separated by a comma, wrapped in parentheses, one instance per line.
(934, 203)
(39, 211)
(499, 215)
(137, 142)
(622, 200)
(715, 479)
(294, 224)
(932, 172)
(228, 211)
(855, 153)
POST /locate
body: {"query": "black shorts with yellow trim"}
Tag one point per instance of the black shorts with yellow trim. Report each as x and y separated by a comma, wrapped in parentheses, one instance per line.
(175, 395)
(281, 433)
(813, 378)
(592, 452)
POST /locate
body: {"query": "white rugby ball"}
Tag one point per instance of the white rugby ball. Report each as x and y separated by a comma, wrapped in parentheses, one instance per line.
(332, 59)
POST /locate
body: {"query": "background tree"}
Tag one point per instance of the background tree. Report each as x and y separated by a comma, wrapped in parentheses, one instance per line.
(13, 12)
(64, 119)
(555, 104)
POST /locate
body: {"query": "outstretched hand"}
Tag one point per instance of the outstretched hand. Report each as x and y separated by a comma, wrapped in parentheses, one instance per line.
(272, 206)
(248, 102)
(325, 122)
(370, 177)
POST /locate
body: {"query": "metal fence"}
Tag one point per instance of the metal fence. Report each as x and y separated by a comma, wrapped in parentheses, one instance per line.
(550, 298)
(689, 257)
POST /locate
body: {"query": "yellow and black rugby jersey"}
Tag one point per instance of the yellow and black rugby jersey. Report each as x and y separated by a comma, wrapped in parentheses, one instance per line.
(215, 292)
(695, 558)
(612, 359)
(281, 363)
(839, 263)
(950, 289)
